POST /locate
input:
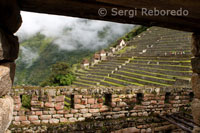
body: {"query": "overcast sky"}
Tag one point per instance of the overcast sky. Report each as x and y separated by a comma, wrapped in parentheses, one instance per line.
(80, 30)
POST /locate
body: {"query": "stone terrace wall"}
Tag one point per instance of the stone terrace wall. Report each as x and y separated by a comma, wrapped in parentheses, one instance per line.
(68, 104)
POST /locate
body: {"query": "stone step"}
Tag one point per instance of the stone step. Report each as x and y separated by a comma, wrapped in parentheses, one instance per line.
(165, 71)
(161, 62)
(136, 80)
(146, 77)
(139, 71)
(88, 82)
(169, 67)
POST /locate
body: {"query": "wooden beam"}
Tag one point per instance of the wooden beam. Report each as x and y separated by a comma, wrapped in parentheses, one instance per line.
(89, 9)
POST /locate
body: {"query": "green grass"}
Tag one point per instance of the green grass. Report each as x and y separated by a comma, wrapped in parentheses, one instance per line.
(143, 80)
(165, 61)
(126, 81)
(148, 76)
(82, 83)
(115, 84)
(157, 73)
(166, 69)
(162, 65)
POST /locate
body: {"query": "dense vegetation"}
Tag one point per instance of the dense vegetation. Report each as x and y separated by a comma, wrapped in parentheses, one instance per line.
(61, 75)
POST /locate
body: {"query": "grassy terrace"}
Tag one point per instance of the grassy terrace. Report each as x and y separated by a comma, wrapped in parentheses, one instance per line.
(151, 68)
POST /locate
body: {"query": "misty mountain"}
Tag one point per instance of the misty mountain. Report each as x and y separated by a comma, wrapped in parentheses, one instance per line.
(39, 52)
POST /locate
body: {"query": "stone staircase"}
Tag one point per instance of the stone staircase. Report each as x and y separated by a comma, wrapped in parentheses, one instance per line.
(161, 57)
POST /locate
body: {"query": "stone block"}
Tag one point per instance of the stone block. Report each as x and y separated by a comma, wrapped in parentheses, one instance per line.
(49, 104)
(87, 115)
(59, 106)
(196, 44)
(16, 123)
(133, 130)
(57, 116)
(81, 119)
(17, 107)
(63, 120)
(36, 122)
(78, 96)
(195, 110)
(79, 106)
(54, 121)
(196, 65)
(45, 117)
(196, 84)
(77, 101)
(9, 46)
(60, 98)
(84, 111)
(10, 15)
(33, 118)
(38, 113)
(72, 119)
(25, 123)
(17, 99)
(45, 121)
(7, 72)
(93, 110)
(91, 101)
(69, 115)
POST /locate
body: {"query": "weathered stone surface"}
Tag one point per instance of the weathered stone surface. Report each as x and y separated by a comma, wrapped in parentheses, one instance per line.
(10, 16)
(9, 46)
(7, 71)
(6, 112)
(196, 44)
(195, 110)
(196, 130)
(195, 65)
(196, 85)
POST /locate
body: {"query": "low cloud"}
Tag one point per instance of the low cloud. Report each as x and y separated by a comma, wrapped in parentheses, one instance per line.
(70, 33)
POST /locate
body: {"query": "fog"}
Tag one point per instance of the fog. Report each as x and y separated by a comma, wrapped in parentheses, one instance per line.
(69, 33)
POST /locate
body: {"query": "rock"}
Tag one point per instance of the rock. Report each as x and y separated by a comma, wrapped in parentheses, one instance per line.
(6, 112)
(9, 46)
(196, 85)
(196, 130)
(196, 44)
(195, 65)
(133, 130)
(10, 15)
(7, 72)
(195, 110)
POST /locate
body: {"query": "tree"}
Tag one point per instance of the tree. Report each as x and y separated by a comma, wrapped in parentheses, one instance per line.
(61, 75)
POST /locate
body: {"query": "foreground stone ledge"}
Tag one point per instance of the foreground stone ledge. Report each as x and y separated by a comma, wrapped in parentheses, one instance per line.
(196, 65)
(196, 44)
(6, 112)
(10, 16)
(7, 72)
(196, 110)
(196, 84)
(9, 46)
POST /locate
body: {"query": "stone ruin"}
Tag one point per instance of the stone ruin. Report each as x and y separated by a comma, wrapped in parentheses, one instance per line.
(9, 47)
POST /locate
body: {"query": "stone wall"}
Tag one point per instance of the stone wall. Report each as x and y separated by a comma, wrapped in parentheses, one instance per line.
(69, 104)
(10, 21)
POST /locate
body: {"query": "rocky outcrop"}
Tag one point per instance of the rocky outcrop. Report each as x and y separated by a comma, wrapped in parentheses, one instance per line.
(195, 79)
(6, 112)
(10, 18)
(10, 21)
(7, 71)
(9, 46)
